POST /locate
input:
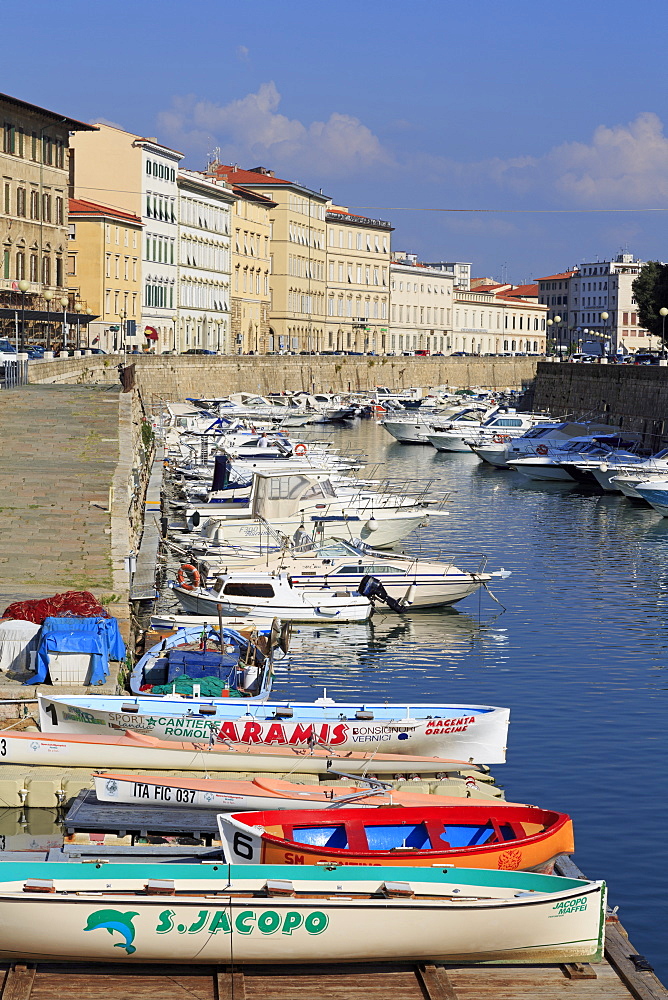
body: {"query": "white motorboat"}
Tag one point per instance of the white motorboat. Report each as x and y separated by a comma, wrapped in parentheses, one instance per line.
(290, 502)
(265, 596)
(655, 492)
(455, 433)
(494, 436)
(567, 464)
(414, 582)
(622, 476)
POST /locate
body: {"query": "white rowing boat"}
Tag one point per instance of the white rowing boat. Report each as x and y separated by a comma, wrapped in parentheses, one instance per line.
(280, 914)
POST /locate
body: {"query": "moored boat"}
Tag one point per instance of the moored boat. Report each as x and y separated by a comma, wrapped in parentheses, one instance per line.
(489, 835)
(277, 914)
(196, 658)
(264, 792)
(469, 732)
(135, 750)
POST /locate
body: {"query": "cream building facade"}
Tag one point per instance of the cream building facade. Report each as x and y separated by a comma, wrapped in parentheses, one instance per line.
(297, 279)
(599, 287)
(33, 211)
(498, 319)
(138, 175)
(251, 263)
(358, 283)
(205, 223)
(422, 306)
(104, 269)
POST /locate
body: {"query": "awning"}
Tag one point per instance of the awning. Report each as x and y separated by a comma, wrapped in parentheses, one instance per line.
(151, 333)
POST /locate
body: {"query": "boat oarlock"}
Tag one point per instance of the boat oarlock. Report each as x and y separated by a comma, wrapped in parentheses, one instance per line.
(191, 574)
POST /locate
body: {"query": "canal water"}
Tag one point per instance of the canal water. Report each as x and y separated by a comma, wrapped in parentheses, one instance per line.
(578, 654)
(579, 657)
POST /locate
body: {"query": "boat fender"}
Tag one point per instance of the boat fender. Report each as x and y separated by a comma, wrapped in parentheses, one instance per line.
(541, 449)
(301, 449)
(191, 574)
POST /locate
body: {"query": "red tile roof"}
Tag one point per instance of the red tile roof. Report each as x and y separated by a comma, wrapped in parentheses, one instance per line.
(554, 277)
(522, 291)
(80, 207)
(235, 175)
(255, 195)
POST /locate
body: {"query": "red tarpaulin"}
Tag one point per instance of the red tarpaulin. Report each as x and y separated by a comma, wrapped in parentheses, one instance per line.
(72, 604)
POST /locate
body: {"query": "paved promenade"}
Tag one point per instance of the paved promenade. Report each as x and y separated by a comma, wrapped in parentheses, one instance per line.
(58, 453)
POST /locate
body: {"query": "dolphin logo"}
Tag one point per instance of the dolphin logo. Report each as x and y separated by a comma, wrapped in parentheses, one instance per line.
(114, 920)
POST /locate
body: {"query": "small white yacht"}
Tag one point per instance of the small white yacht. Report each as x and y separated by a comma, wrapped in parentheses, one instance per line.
(655, 492)
(265, 596)
(624, 476)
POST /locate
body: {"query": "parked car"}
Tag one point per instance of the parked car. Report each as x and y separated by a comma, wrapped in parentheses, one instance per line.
(98, 350)
(197, 350)
(646, 359)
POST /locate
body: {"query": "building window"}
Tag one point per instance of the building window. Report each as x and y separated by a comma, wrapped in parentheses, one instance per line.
(59, 212)
(71, 264)
(21, 202)
(34, 205)
(8, 194)
(6, 263)
(20, 265)
(33, 268)
(46, 270)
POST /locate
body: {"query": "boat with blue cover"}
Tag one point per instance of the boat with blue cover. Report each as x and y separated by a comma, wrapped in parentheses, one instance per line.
(194, 657)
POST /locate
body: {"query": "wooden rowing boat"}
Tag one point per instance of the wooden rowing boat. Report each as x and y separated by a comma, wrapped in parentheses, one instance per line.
(261, 793)
(276, 914)
(489, 835)
(469, 732)
(135, 750)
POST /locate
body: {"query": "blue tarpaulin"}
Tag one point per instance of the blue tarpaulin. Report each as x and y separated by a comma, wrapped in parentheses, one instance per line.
(99, 637)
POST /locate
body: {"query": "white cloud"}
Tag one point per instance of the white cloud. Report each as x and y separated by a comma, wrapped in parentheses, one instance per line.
(252, 130)
(242, 53)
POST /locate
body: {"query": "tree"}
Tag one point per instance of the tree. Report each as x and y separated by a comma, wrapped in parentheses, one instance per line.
(650, 290)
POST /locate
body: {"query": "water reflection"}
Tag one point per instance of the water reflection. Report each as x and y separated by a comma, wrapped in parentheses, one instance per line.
(30, 829)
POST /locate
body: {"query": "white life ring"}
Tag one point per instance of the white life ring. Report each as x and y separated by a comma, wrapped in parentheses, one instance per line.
(301, 449)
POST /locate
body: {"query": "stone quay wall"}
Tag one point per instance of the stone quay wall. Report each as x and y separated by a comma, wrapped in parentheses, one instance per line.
(633, 397)
(177, 377)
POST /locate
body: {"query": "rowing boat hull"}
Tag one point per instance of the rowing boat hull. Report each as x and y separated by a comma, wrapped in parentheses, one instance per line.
(133, 750)
(461, 916)
(497, 836)
(260, 793)
(469, 732)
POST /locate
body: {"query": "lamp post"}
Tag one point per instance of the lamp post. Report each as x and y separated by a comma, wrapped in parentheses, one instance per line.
(604, 319)
(64, 303)
(89, 313)
(77, 308)
(175, 318)
(549, 324)
(48, 295)
(557, 321)
(23, 288)
(663, 312)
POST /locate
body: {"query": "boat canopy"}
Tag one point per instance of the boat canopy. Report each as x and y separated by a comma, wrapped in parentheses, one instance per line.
(280, 496)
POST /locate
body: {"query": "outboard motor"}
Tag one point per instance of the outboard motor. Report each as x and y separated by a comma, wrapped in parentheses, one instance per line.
(371, 587)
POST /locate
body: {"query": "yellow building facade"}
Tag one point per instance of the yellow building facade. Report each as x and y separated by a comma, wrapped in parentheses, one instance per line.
(251, 263)
(33, 213)
(104, 269)
(358, 282)
(297, 247)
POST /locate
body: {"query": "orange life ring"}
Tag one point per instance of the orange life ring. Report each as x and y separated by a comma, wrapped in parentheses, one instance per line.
(501, 438)
(300, 449)
(192, 574)
(541, 449)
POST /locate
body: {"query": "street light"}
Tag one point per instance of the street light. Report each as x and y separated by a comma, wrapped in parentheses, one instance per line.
(89, 313)
(23, 288)
(604, 319)
(175, 318)
(77, 308)
(663, 312)
(557, 321)
(64, 303)
(48, 295)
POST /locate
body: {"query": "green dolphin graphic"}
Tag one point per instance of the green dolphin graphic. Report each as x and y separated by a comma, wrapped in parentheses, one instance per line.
(114, 920)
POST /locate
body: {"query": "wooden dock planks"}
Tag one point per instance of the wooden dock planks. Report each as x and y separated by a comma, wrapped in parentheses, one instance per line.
(398, 981)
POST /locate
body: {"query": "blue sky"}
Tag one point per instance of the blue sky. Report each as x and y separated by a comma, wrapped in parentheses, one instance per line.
(395, 109)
